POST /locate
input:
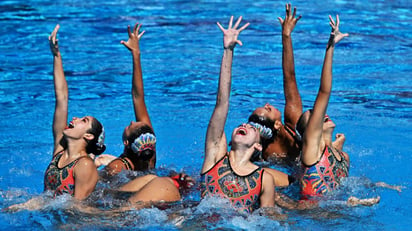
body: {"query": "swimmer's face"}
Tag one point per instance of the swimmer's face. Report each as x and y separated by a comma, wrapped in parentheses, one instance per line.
(268, 111)
(328, 123)
(246, 134)
(78, 127)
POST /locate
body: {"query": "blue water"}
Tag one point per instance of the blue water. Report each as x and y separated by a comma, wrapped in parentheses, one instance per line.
(181, 50)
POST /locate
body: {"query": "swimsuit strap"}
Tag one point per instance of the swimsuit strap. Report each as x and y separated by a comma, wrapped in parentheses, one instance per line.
(75, 162)
(291, 133)
(126, 163)
(251, 173)
(342, 156)
(58, 156)
(217, 162)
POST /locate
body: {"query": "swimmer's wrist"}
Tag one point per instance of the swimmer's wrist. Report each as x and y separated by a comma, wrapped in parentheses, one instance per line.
(286, 34)
(135, 52)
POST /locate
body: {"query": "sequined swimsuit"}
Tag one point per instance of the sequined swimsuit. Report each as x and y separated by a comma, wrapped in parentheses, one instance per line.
(325, 175)
(60, 180)
(242, 191)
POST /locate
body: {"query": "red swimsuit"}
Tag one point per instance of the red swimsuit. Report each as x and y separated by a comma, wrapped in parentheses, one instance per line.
(325, 175)
(60, 180)
(242, 191)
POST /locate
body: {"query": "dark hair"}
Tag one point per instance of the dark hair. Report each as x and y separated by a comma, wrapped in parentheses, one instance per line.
(262, 121)
(95, 145)
(257, 155)
(302, 124)
(145, 154)
(266, 122)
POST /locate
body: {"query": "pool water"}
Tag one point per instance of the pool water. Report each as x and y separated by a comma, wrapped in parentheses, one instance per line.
(371, 100)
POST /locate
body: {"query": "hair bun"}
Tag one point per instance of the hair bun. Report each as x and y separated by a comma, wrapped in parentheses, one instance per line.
(144, 142)
(100, 149)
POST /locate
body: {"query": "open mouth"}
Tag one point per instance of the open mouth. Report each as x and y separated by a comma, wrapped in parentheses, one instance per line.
(241, 131)
(71, 125)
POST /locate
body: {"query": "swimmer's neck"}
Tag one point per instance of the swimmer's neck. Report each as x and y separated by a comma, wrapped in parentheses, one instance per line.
(327, 138)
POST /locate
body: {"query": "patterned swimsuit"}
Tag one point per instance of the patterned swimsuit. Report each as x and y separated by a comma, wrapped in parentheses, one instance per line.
(60, 180)
(242, 191)
(325, 175)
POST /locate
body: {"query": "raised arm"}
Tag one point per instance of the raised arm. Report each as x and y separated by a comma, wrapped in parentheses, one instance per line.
(61, 92)
(293, 107)
(139, 104)
(313, 134)
(216, 146)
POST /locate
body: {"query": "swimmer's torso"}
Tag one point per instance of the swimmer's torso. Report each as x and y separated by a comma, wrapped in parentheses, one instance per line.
(284, 149)
(242, 191)
(60, 180)
(325, 175)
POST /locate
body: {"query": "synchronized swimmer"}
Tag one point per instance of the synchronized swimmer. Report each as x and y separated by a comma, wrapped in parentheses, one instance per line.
(304, 139)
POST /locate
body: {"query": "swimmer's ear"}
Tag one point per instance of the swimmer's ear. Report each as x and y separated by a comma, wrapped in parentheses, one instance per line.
(88, 136)
(125, 142)
(278, 124)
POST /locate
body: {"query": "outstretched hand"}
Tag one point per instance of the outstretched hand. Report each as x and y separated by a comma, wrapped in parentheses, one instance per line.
(335, 35)
(53, 41)
(133, 42)
(289, 23)
(230, 35)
